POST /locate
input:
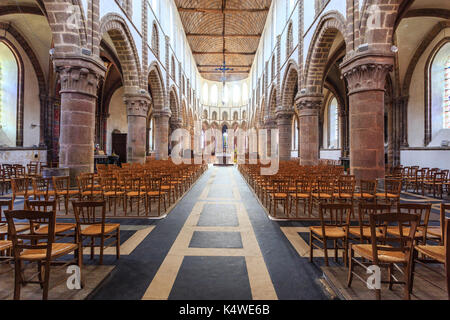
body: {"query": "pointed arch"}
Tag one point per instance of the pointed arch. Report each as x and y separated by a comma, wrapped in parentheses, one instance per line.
(290, 85)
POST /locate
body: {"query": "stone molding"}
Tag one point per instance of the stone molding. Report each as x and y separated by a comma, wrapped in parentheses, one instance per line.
(137, 105)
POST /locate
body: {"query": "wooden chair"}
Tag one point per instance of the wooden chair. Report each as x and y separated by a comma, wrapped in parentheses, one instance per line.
(8, 205)
(302, 193)
(42, 189)
(440, 254)
(423, 211)
(88, 189)
(63, 190)
(154, 192)
(322, 193)
(366, 192)
(392, 191)
(40, 249)
(33, 170)
(61, 229)
(345, 190)
(334, 223)
(279, 193)
(5, 181)
(388, 251)
(362, 232)
(436, 233)
(112, 192)
(91, 223)
(134, 191)
(21, 188)
(436, 184)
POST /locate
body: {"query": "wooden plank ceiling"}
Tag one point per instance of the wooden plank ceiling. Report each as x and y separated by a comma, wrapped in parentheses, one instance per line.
(219, 30)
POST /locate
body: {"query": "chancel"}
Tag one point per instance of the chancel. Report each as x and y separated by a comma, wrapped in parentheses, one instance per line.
(224, 150)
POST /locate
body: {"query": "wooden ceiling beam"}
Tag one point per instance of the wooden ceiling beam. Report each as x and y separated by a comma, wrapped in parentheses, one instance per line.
(226, 53)
(208, 10)
(211, 35)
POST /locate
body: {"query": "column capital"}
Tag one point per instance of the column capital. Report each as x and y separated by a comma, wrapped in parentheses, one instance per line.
(309, 102)
(176, 123)
(162, 113)
(367, 72)
(284, 115)
(137, 104)
(79, 74)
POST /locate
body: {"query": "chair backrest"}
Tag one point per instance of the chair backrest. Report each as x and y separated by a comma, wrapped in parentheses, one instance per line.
(346, 187)
(86, 183)
(90, 213)
(42, 184)
(40, 206)
(110, 184)
(392, 243)
(280, 185)
(423, 210)
(31, 241)
(368, 186)
(303, 185)
(5, 204)
(393, 186)
(366, 209)
(335, 214)
(61, 184)
(20, 185)
(152, 184)
(443, 217)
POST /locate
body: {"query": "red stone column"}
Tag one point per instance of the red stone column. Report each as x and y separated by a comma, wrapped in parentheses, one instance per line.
(309, 107)
(366, 78)
(137, 111)
(162, 134)
(79, 81)
(284, 121)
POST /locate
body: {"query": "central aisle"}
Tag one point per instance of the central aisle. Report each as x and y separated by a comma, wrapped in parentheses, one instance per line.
(216, 244)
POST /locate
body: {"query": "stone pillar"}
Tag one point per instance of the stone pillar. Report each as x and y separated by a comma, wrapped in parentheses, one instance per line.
(284, 121)
(137, 111)
(269, 125)
(366, 78)
(162, 134)
(79, 81)
(309, 107)
(342, 129)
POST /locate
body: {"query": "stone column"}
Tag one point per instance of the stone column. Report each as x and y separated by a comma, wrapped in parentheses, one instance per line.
(162, 134)
(342, 129)
(79, 81)
(284, 121)
(366, 78)
(309, 106)
(137, 111)
(269, 125)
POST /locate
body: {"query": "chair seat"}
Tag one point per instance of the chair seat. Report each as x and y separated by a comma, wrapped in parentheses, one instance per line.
(434, 232)
(44, 193)
(20, 227)
(113, 193)
(5, 245)
(155, 193)
(388, 195)
(94, 192)
(301, 195)
(396, 232)
(58, 250)
(70, 193)
(435, 252)
(330, 232)
(343, 195)
(321, 195)
(95, 230)
(367, 233)
(279, 195)
(365, 250)
(364, 195)
(59, 228)
(135, 194)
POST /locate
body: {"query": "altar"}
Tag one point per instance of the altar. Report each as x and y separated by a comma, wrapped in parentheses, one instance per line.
(224, 159)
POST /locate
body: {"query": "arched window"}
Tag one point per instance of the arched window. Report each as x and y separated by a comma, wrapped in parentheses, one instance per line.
(290, 40)
(295, 131)
(245, 93)
(235, 116)
(273, 68)
(173, 69)
(205, 114)
(333, 125)
(226, 94)
(225, 116)
(447, 95)
(205, 94)
(236, 94)
(9, 90)
(151, 135)
(214, 115)
(244, 115)
(155, 40)
(214, 95)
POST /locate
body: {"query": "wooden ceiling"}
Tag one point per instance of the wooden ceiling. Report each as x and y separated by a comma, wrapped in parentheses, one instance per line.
(219, 30)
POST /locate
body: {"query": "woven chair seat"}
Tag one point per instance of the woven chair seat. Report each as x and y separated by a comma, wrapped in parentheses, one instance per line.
(389, 195)
(435, 252)
(330, 232)
(96, 229)
(301, 195)
(58, 250)
(365, 251)
(321, 195)
(343, 195)
(19, 228)
(59, 228)
(367, 233)
(155, 193)
(396, 232)
(70, 193)
(363, 195)
(434, 232)
(5, 245)
(279, 195)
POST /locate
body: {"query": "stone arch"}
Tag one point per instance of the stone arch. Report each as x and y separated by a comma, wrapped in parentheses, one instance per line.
(328, 28)
(156, 86)
(290, 85)
(184, 114)
(155, 40)
(383, 16)
(272, 105)
(262, 113)
(117, 29)
(290, 39)
(173, 103)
